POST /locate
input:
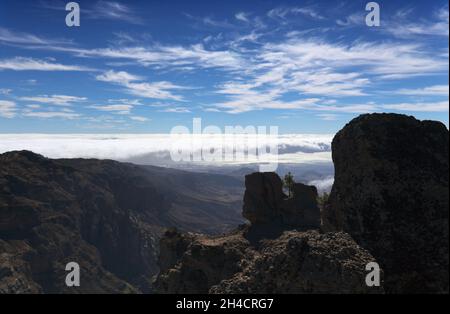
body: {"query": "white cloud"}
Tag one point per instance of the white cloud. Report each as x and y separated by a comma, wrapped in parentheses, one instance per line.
(120, 77)
(101, 10)
(59, 100)
(436, 90)
(441, 106)
(282, 13)
(155, 90)
(328, 116)
(352, 20)
(352, 108)
(51, 114)
(7, 109)
(165, 56)
(118, 109)
(30, 64)
(139, 118)
(303, 148)
(176, 110)
(310, 12)
(241, 16)
(5, 91)
(12, 37)
(301, 66)
(376, 58)
(437, 27)
(114, 11)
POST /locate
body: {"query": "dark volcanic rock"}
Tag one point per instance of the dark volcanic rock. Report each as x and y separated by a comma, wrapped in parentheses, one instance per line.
(266, 205)
(106, 216)
(391, 195)
(263, 194)
(296, 262)
(303, 262)
(264, 257)
(193, 263)
(302, 209)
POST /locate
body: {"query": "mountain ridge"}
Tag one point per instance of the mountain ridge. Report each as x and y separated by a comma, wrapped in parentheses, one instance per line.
(105, 215)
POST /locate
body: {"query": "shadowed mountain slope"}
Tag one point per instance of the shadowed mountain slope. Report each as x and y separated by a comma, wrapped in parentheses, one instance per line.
(105, 215)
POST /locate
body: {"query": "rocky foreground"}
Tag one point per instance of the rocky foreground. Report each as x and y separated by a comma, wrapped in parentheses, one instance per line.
(389, 205)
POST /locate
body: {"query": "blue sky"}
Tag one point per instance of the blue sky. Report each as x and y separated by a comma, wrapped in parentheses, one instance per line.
(147, 66)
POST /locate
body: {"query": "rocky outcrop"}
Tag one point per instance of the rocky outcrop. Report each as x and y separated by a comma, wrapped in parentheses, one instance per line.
(263, 194)
(193, 263)
(389, 205)
(303, 262)
(295, 262)
(106, 216)
(265, 204)
(263, 257)
(391, 195)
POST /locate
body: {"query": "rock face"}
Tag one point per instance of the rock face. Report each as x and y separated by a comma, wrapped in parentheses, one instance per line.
(263, 257)
(391, 195)
(106, 216)
(266, 204)
(303, 262)
(295, 262)
(193, 263)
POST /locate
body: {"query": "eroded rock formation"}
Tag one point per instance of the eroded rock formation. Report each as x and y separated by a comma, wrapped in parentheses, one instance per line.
(264, 257)
(389, 204)
(265, 204)
(391, 194)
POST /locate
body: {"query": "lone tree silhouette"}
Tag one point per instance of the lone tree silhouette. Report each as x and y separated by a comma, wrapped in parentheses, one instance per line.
(288, 183)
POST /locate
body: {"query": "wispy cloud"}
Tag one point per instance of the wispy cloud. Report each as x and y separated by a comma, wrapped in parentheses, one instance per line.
(114, 10)
(241, 16)
(300, 66)
(439, 26)
(139, 118)
(441, 106)
(354, 19)
(101, 10)
(5, 91)
(176, 110)
(328, 116)
(13, 37)
(59, 100)
(30, 64)
(7, 109)
(168, 56)
(133, 85)
(436, 90)
(52, 114)
(282, 13)
(118, 109)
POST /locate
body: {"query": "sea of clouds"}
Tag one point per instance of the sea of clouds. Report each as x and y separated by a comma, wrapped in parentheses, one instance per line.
(311, 153)
(295, 148)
